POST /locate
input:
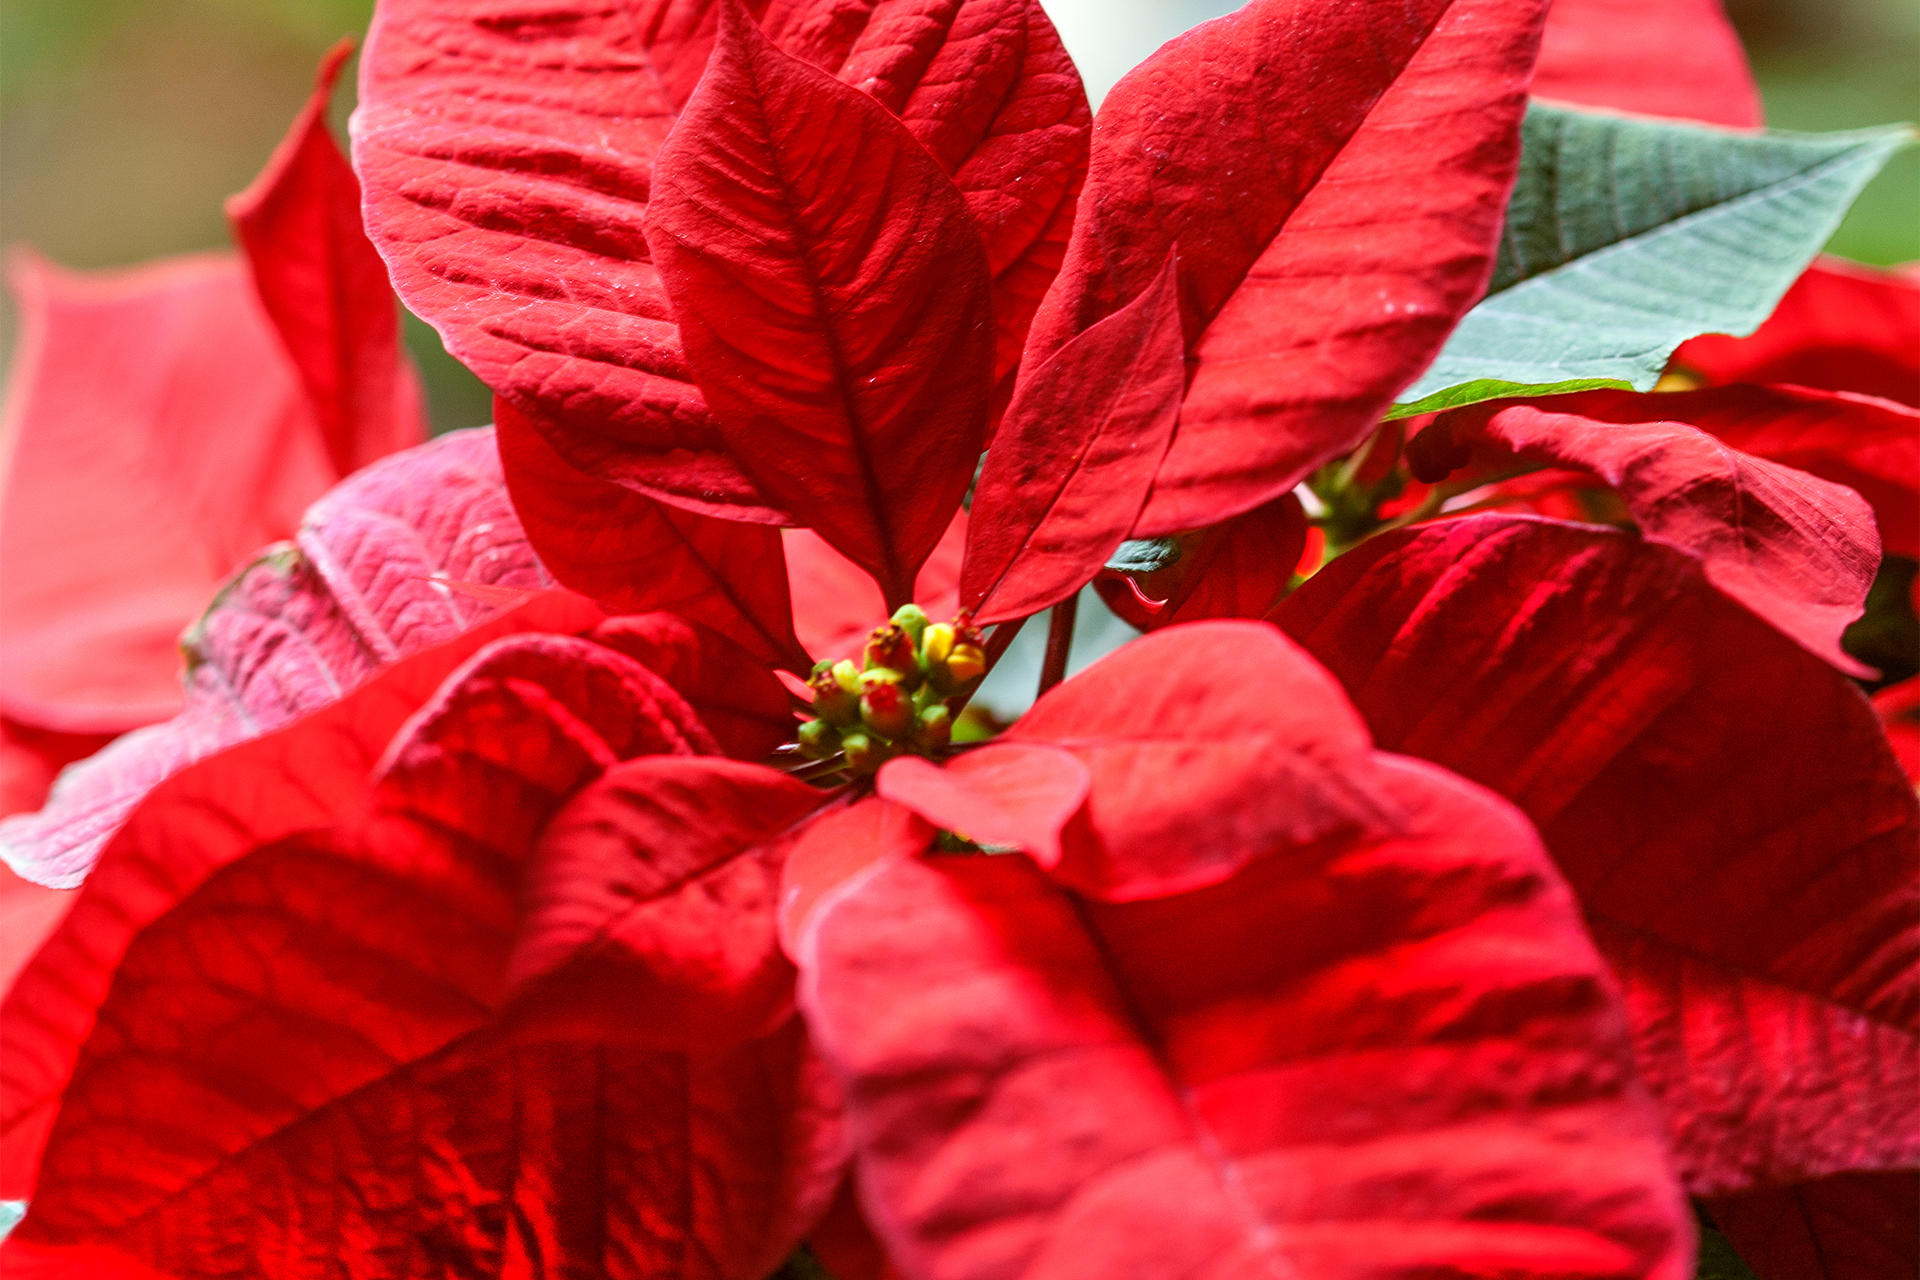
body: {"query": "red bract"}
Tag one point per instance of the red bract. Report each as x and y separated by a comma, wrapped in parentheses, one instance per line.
(1677, 58)
(1299, 329)
(1798, 551)
(831, 292)
(528, 159)
(1724, 806)
(1168, 1079)
(1238, 569)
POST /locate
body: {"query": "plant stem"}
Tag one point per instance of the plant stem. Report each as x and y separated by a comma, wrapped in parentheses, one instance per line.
(1053, 668)
(1002, 637)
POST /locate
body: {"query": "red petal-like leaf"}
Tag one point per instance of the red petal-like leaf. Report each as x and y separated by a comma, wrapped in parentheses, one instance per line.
(1870, 445)
(508, 148)
(1675, 58)
(652, 897)
(1899, 708)
(1797, 550)
(1392, 1054)
(1070, 466)
(636, 555)
(326, 289)
(832, 296)
(366, 582)
(836, 603)
(140, 472)
(1261, 741)
(305, 1048)
(1843, 327)
(836, 847)
(1237, 569)
(738, 699)
(1723, 803)
(1017, 794)
(1856, 1226)
(1334, 176)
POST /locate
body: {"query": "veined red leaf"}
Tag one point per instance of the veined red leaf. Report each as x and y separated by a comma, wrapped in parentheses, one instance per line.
(1392, 1053)
(651, 903)
(1675, 58)
(1237, 569)
(1020, 794)
(1868, 444)
(637, 555)
(1070, 466)
(1262, 742)
(738, 699)
(1855, 1226)
(1334, 177)
(1723, 804)
(358, 589)
(354, 975)
(1799, 551)
(832, 297)
(326, 289)
(123, 415)
(836, 603)
(1842, 327)
(505, 146)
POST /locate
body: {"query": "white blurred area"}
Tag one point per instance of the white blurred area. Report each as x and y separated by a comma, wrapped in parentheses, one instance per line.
(1108, 38)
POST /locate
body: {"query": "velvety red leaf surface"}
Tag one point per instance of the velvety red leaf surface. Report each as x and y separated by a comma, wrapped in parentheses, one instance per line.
(1008, 793)
(1855, 1226)
(1070, 466)
(1236, 569)
(651, 902)
(370, 577)
(1262, 742)
(1335, 178)
(1675, 58)
(832, 296)
(636, 555)
(1799, 551)
(742, 703)
(836, 603)
(140, 472)
(1842, 326)
(1391, 1053)
(835, 847)
(326, 289)
(354, 973)
(1870, 445)
(1724, 805)
(506, 146)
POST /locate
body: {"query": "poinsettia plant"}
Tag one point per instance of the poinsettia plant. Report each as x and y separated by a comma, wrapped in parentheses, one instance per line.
(578, 849)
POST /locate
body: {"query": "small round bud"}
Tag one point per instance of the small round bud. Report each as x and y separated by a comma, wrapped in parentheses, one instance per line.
(847, 675)
(912, 619)
(890, 648)
(865, 754)
(933, 728)
(935, 645)
(966, 662)
(818, 740)
(886, 708)
(832, 701)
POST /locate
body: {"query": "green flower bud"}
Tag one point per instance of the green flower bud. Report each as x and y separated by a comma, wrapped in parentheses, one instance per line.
(933, 728)
(865, 754)
(818, 740)
(832, 700)
(912, 619)
(890, 648)
(847, 675)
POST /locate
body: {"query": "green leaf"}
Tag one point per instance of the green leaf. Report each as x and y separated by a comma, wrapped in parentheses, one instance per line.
(1145, 555)
(1627, 236)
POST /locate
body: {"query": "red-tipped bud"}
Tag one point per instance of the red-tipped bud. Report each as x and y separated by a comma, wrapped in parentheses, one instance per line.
(832, 700)
(890, 648)
(886, 706)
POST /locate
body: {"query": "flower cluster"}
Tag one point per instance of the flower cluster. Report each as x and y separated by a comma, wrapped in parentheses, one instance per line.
(542, 865)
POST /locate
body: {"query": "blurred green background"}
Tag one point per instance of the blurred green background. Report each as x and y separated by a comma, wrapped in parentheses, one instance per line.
(124, 123)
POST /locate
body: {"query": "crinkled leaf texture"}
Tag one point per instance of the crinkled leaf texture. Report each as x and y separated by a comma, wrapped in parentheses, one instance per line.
(298, 1019)
(1625, 237)
(1381, 1049)
(1332, 176)
(1675, 58)
(832, 296)
(398, 558)
(1842, 327)
(507, 149)
(1723, 803)
(1799, 551)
